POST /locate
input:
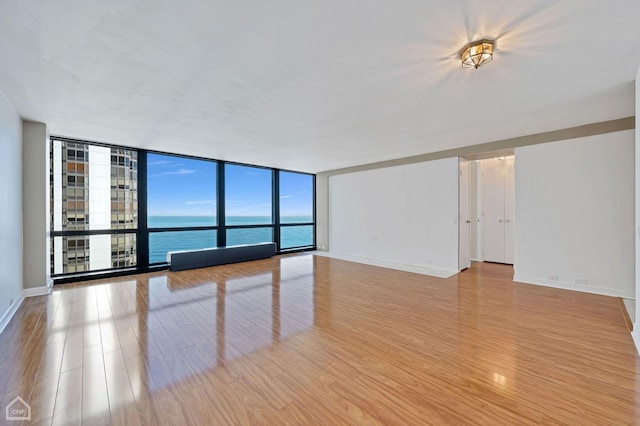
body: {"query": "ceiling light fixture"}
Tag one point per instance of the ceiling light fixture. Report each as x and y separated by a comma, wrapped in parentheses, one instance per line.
(477, 53)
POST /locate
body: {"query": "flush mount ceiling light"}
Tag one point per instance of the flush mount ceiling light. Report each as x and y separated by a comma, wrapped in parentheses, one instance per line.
(477, 53)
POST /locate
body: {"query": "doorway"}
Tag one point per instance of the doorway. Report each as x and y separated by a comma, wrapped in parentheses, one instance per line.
(487, 208)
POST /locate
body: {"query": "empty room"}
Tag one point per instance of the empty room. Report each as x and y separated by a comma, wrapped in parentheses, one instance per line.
(421, 213)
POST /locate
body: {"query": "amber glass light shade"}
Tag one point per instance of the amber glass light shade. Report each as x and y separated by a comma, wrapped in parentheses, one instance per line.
(477, 54)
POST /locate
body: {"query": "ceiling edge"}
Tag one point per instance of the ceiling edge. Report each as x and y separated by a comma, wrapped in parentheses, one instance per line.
(599, 128)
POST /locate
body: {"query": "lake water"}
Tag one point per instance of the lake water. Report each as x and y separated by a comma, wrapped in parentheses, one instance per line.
(162, 242)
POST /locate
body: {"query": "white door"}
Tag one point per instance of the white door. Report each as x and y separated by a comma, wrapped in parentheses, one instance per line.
(475, 209)
(493, 229)
(464, 224)
(509, 210)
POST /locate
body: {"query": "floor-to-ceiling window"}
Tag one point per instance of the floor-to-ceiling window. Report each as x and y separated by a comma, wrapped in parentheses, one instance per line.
(248, 204)
(297, 223)
(115, 207)
(181, 204)
(94, 216)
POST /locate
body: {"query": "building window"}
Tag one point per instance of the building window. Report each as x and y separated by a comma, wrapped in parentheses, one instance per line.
(182, 204)
(297, 228)
(253, 235)
(83, 188)
(248, 195)
(188, 203)
(160, 243)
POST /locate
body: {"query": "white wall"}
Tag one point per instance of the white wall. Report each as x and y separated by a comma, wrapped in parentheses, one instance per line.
(56, 147)
(35, 203)
(322, 211)
(404, 214)
(636, 332)
(100, 206)
(575, 214)
(100, 193)
(10, 209)
(100, 252)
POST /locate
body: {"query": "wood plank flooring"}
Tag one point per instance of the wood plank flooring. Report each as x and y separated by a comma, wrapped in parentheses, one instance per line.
(307, 339)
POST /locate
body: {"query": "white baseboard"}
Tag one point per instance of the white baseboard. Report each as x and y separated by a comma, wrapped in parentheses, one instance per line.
(630, 306)
(435, 272)
(10, 313)
(27, 292)
(636, 338)
(576, 287)
(36, 291)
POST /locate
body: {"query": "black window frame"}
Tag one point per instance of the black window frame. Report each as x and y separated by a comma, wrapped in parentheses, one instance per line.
(149, 230)
(143, 231)
(292, 224)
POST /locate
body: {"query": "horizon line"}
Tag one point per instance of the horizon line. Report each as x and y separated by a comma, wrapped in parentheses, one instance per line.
(232, 215)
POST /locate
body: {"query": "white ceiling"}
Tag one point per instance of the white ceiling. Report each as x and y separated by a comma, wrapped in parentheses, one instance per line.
(314, 86)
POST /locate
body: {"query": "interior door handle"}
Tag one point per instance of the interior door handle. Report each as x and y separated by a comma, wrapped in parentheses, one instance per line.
(508, 221)
(468, 221)
(500, 220)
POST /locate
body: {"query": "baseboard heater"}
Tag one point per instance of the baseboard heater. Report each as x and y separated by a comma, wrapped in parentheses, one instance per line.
(191, 259)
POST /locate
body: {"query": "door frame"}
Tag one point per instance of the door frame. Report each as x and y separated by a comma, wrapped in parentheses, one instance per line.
(476, 166)
(464, 223)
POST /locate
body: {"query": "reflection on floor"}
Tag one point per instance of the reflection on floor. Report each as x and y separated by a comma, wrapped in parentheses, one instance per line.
(313, 340)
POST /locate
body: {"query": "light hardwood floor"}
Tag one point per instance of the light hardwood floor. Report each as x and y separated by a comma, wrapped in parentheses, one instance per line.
(314, 340)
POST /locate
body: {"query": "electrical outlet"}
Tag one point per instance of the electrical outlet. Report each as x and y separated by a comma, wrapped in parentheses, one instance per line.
(552, 277)
(581, 281)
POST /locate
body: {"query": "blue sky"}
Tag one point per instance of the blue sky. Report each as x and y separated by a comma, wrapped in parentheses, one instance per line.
(186, 187)
(296, 194)
(180, 186)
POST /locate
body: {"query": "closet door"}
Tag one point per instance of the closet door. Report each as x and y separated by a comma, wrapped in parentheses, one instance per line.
(509, 210)
(464, 224)
(493, 229)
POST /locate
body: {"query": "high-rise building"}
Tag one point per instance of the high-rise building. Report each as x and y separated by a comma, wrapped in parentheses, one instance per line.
(94, 188)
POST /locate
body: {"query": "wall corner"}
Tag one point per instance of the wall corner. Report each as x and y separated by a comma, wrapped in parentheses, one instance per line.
(35, 205)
